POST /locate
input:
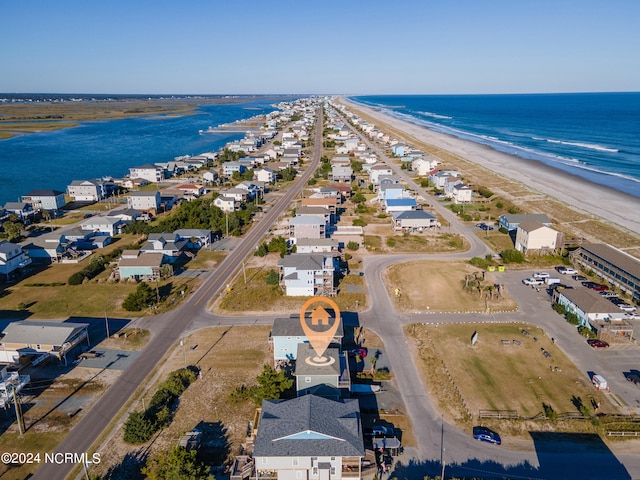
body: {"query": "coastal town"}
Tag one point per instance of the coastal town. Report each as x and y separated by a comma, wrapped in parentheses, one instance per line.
(157, 315)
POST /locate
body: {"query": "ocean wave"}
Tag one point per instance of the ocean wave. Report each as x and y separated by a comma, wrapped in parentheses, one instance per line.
(435, 115)
(590, 146)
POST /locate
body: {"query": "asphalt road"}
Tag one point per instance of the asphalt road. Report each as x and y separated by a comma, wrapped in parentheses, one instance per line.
(167, 330)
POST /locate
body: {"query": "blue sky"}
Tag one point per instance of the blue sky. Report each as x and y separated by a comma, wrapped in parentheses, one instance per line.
(326, 46)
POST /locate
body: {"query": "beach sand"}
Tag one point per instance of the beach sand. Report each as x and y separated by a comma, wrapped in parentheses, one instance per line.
(609, 205)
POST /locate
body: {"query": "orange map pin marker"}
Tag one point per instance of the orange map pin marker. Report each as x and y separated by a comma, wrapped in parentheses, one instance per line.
(319, 331)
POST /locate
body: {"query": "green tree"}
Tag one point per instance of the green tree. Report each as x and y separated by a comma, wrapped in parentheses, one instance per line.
(353, 245)
(511, 255)
(13, 229)
(271, 385)
(272, 277)
(144, 295)
(179, 464)
(358, 198)
(262, 250)
(138, 428)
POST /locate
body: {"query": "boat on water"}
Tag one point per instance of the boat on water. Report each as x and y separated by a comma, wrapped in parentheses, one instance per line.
(208, 130)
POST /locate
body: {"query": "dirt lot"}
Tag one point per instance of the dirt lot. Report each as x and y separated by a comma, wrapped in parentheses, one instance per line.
(429, 286)
(228, 357)
(492, 375)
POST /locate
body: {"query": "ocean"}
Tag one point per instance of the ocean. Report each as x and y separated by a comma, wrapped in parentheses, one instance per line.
(51, 160)
(592, 135)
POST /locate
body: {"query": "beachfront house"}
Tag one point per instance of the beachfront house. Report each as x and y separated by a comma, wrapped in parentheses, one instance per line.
(461, 193)
(45, 199)
(145, 201)
(309, 438)
(307, 274)
(535, 238)
(151, 173)
(12, 260)
(510, 221)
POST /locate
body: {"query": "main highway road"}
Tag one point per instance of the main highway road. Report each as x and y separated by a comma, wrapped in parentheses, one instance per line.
(169, 327)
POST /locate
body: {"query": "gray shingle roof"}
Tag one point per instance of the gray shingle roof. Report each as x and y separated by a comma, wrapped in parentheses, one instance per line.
(41, 332)
(290, 327)
(589, 301)
(309, 426)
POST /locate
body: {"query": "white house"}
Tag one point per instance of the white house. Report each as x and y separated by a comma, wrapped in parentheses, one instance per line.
(461, 193)
(151, 173)
(45, 199)
(533, 236)
(12, 259)
(266, 175)
(87, 190)
(144, 200)
(226, 204)
(307, 274)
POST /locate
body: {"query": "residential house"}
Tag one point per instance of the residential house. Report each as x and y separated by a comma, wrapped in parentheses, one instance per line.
(196, 238)
(319, 212)
(128, 214)
(265, 174)
(87, 190)
(107, 224)
(399, 150)
(317, 245)
(226, 204)
(11, 383)
(617, 267)
(169, 244)
(12, 260)
(510, 221)
(238, 194)
(48, 248)
(377, 170)
(438, 178)
(190, 190)
(45, 199)
(228, 168)
(22, 210)
(308, 274)
(449, 185)
(328, 203)
(423, 166)
(534, 237)
(309, 438)
(400, 205)
(287, 333)
(390, 191)
(133, 264)
(33, 338)
(253, 189)
(461, 193)
(411, 220)
(145, 201)
(151, 173)
(210, 176)
(340, 173)
(328, 379)
(307, 226)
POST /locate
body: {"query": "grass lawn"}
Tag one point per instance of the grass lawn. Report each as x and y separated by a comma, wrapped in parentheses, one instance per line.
(429, 286)
(37, 442)
(493, 376)
(206, 259)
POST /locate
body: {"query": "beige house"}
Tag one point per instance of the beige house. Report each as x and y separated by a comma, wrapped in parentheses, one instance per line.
(534, 237)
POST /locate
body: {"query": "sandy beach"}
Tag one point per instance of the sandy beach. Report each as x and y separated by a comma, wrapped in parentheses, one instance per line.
(585, 197)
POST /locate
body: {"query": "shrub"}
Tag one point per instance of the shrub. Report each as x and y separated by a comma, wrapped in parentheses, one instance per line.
(572, 318)
(499, 204)
(511, 255)
(76, 279)
(481, 262)
(347, 256)
(359, 222)
(485, 192)
(391, 242)
(558, 307)
(272, 277)
(138, 428)
(353, 245)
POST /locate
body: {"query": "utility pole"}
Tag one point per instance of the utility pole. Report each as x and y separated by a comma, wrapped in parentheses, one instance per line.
(244, 273)
(19, 417)
(442, 448)
(184, 352)
(106, 321)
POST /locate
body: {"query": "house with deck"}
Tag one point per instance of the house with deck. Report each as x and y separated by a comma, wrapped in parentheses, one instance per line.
(87, 190)
(308, 274)
(145, 201)
(329, 380)
(510, 221)
(287, 333)
(535, 238)
(309, 438)
(149, 172)
(45, 199)
(13, 260)
(140, 267)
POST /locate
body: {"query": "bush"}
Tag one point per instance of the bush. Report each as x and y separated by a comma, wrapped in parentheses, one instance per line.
(561, 309)
(272, 277)
(482, 263)
(572, 318)
(262, 250)
(485, 192)
(359, 222)
(499, 204)
(76, 279)
(353, 245)
(511, 255)
(391, 242)
(143, 296)
(138, 428)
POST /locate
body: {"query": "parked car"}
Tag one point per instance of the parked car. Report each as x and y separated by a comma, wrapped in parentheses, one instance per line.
(608, 294)
(380, 431)
(541, 275)
(579, 278)
(626, 307)
(566, 270)
(595, 343)
(598, 287)
(485, 435)
(357, 352)
(532, 281)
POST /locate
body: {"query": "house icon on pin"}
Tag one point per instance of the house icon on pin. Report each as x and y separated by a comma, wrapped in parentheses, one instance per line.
(320, 317)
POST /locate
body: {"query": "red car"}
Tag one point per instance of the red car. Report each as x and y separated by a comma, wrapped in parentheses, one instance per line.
(595, 343)
(358, 352)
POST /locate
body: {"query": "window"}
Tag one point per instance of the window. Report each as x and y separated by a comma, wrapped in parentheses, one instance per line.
(265, 460)
(307, 379)
(333, 470)
(314, 472)
(299, 474)
(294, 461)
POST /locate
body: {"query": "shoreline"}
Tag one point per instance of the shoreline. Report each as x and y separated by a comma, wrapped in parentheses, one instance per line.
(576, 192)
